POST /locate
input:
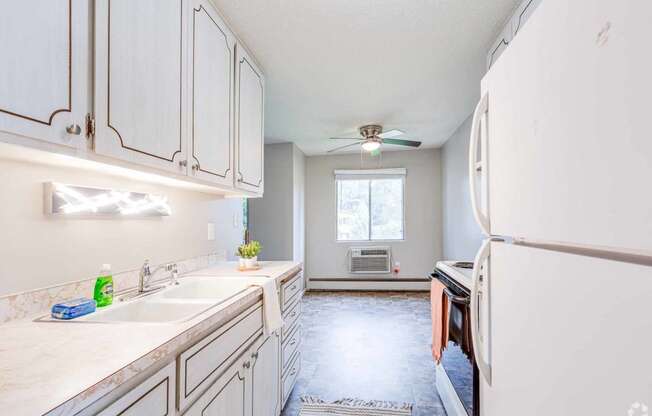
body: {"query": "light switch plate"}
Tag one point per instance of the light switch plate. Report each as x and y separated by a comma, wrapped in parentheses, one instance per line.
(211, 231)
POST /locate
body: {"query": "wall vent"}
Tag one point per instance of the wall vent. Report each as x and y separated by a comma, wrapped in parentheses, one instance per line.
(372, 260)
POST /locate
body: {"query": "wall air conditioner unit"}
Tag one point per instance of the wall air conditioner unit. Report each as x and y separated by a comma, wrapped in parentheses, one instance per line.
(371, 260)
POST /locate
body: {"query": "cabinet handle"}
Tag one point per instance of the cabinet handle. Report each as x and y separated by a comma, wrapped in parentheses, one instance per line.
(195, 167)
(246, 364)
(293, 314)
(183, 163)
(73, 129)
(293, 372)
(254, 355)
(294, 341)
(294, 286)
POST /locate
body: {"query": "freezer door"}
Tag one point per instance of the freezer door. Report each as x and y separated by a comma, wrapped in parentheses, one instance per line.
(569, 131)
(570, 335)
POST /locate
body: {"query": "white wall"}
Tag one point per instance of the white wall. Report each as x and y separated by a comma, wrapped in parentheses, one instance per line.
(462, 236)
(299, 202)
(39, 251)
(327, 258)
(277, 219)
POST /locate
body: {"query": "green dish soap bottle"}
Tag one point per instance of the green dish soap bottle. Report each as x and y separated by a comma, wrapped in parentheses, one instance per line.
(103, 293)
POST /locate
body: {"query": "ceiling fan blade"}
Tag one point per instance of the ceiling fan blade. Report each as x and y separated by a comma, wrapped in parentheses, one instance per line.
(344, 138)
(343, 147)
(401, 142)
(391, 133)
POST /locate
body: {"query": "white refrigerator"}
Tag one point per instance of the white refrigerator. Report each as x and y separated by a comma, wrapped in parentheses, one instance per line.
(560, 173)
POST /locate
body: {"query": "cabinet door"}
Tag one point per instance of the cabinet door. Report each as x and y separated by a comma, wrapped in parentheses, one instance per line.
(44, 72)
(249, 103)
(139, 87)
(154, 397)
(228, 396)
(211, 56)
(265, 377)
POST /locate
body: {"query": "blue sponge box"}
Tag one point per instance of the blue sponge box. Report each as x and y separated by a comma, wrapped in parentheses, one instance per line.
(74, 308)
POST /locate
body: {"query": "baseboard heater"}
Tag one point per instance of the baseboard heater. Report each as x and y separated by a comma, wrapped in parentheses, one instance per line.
(370, 280)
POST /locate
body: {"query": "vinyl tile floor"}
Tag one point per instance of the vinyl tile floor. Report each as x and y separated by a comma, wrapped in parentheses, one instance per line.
(367, 345)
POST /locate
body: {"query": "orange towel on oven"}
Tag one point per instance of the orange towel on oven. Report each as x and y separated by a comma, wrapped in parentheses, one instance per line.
(439, 311)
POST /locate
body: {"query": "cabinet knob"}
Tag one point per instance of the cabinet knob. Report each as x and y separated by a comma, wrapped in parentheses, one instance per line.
(195, 167)
(73, 129)
(183, 163)
(254, 355)
(246, 364)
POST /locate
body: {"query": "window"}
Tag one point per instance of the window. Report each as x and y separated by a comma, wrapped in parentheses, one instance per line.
(370, 205)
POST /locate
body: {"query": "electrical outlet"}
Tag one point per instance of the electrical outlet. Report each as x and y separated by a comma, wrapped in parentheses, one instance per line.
(211, 231)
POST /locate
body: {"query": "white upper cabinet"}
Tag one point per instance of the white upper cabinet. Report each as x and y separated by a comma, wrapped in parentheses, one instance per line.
(139, 82)
(211, 69)
(249, 122)
(44, 77)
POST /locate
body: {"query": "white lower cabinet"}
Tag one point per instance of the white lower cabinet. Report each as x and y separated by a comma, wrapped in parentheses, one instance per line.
(236, 370)
(153, 397)
(228, 395)
(249, 387)
(265, 370)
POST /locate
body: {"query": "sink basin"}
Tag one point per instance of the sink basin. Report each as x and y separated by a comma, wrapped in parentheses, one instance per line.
(147, 310)
(192, 296)
(204, 287)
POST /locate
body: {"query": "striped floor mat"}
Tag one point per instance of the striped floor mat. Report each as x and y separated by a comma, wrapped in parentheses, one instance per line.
(313, 406)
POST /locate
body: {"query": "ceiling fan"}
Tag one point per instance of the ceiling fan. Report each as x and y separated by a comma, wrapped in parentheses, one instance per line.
(373, 137)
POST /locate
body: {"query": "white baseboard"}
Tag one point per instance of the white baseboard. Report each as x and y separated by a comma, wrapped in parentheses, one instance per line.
(449, 398)
(369, 284)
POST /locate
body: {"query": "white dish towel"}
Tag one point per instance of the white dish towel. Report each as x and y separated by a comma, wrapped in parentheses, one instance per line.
(271, 305)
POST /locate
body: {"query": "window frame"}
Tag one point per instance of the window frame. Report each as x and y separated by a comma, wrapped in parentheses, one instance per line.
(370, 177)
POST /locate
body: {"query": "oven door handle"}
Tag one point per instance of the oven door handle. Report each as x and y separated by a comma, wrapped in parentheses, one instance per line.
(462, 300)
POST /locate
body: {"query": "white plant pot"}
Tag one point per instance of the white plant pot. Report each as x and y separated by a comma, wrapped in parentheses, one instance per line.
(248, 263)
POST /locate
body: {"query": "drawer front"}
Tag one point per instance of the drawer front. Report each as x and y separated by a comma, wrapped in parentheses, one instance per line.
(290, 319)
(290, 377)
(290, 290)
(291, 345)
(204, 362)
(155, 396)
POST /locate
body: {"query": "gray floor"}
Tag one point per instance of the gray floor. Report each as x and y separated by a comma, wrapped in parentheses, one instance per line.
(368, 345)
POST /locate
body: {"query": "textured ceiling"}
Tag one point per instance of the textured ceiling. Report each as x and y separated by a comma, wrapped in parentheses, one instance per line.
(332, 65)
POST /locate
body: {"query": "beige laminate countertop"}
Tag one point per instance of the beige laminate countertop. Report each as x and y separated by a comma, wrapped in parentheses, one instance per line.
(61, 368)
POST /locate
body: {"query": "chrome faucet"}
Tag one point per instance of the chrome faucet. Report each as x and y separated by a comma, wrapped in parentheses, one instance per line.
(146, 275)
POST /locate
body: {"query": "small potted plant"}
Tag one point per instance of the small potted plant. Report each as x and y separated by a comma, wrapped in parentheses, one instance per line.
(248, 254)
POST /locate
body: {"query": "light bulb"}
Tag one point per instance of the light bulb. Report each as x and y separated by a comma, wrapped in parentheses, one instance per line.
(371, 145)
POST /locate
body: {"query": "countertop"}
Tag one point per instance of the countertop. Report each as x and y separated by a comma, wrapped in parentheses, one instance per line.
(462, 276)
(60, 368)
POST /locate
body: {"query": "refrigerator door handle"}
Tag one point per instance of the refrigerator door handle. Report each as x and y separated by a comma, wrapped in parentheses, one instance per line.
(483, 364)
(475, 165)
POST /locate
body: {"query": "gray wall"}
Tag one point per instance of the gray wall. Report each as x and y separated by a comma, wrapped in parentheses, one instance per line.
(276, 220)
(327, 258)
(462, 236)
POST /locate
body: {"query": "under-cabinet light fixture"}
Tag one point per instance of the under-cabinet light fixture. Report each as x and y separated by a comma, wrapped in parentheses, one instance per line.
(62, 199)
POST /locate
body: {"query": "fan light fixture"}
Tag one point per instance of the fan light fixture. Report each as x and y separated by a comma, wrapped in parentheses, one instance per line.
(371, 145)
